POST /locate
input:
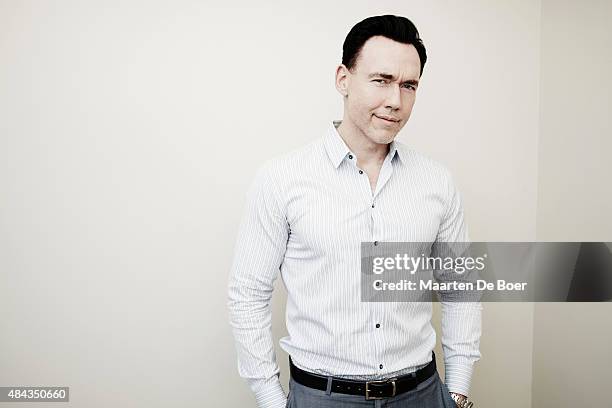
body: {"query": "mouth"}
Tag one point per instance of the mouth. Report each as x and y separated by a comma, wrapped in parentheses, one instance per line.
(387, 119)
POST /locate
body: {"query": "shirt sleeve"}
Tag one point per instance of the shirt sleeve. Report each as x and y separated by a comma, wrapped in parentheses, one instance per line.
(259, 252)
(461, 320)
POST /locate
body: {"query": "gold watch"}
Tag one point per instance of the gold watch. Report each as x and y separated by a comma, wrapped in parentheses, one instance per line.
(461, 401)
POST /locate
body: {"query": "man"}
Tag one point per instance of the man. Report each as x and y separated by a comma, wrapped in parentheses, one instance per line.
(307, 214)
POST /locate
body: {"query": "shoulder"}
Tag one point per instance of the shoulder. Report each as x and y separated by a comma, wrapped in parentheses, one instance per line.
(281, 167)
(277, 174)
(417, 162)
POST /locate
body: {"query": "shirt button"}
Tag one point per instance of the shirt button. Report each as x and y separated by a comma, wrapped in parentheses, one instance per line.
(350, 156)
(375, 243)
(372, 205)
(360, 171)
(377, 325)
(380, 366)
(377, 283)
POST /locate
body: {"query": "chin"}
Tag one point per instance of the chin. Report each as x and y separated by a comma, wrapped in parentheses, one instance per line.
(382, 137)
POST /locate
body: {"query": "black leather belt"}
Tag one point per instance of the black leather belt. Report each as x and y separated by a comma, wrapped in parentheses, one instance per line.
(370, 389)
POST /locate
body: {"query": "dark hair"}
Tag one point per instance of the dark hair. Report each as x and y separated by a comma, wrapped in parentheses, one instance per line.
(396, 28)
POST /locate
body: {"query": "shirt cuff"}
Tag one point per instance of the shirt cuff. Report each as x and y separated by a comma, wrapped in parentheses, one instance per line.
(458, 377)
(269, 393)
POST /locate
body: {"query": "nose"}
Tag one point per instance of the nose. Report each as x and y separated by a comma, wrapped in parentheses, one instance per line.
(394, 100)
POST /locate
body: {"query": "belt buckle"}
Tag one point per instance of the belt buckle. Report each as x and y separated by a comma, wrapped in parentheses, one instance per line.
(367, 390)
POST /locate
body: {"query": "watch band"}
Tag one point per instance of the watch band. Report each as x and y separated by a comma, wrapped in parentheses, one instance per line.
(461, 401)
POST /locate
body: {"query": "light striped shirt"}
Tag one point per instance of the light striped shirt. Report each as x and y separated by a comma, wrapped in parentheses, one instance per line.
(307, 213)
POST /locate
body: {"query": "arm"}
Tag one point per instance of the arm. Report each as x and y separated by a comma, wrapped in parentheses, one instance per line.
(259, 252)
(461, 321)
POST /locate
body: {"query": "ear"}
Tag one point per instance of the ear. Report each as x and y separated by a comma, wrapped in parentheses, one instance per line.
(342, 80)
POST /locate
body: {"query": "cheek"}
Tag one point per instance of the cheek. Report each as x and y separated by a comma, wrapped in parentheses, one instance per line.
(408, 103)
(368, 99)
(409, 106)
(411, 98)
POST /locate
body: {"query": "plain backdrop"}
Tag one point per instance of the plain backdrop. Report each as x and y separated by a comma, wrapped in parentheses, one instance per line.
(130, 130)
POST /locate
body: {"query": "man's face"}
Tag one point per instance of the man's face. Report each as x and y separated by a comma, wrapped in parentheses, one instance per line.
(381, 89)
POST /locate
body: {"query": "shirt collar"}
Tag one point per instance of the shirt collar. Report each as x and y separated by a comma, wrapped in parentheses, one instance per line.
(337, 150)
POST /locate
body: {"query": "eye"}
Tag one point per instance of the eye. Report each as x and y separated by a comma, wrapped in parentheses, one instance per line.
(409, 86)
(380, 81)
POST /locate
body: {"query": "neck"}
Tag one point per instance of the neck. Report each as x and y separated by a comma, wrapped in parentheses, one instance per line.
(366, 150)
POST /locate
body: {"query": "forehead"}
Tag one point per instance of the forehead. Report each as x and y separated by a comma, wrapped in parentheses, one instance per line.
(381, 54)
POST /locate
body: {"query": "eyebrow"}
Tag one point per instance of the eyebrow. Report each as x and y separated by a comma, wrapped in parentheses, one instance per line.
(391, 77)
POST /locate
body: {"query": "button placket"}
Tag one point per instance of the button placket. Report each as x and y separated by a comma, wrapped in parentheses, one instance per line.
(379, 307)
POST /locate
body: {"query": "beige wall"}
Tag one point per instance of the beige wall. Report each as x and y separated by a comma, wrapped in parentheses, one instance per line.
(572, 354)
